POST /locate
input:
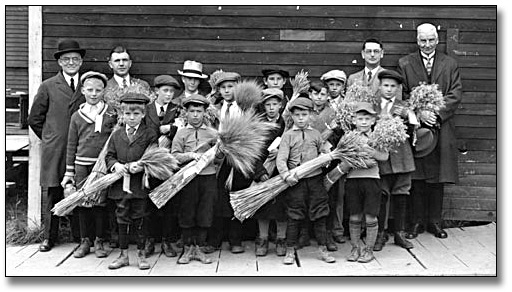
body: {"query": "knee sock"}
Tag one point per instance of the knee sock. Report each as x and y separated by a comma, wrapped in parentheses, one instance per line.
(372, 227)
(263, 225)
(281, 229)
(123, 235)
(320, 228)
(355, 231)
(140, 232)
(292, 232)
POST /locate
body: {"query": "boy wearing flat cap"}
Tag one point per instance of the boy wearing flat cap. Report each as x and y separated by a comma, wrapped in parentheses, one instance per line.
(335, 81)
(363, 190)
(197, 197)
(396, 171)
(127, 145)
(89, 130)
(308, 196)
(275, 209)
(223, 213)
(276, 78)
(160, 116)
(56, 100)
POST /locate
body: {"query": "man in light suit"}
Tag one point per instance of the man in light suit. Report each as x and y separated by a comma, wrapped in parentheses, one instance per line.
(56, 100)
(439, 166)
(372, 54)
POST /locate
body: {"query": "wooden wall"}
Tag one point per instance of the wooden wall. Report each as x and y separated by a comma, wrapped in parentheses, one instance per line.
(247, 39)
(16, 48)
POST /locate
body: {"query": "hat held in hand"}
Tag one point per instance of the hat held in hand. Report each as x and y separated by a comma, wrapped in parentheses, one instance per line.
(426, 141)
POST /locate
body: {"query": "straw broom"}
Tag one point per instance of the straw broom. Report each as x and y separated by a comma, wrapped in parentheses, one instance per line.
(246, 202)
(157, 162)
(300, 84)
(241, 140)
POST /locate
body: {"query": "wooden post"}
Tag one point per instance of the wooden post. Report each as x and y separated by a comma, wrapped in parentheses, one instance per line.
(35, 65)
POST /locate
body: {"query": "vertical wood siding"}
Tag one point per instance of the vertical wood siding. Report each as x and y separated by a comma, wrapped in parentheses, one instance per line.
(247, 39)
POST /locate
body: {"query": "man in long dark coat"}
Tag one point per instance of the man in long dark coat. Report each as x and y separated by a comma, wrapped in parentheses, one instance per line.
(56, 100)
(440, 166)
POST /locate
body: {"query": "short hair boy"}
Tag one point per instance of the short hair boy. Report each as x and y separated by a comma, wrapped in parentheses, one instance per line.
(363, 190)
(196, 209)
(127, 145)
(276, 78)
(308, 196)
(395, 172)
(160, 116)
(335, 81)
(89, 129)
(275, 209)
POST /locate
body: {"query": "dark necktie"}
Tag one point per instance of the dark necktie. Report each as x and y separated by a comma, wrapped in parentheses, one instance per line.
(227, 109)
(162, 113)
(72, 84)
(124, 83)
(131, 132)
(369, 76)
(428, 65)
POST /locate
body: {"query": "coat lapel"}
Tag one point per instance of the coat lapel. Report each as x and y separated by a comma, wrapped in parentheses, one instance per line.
(437, 67)
(170, 113)
(153, 115)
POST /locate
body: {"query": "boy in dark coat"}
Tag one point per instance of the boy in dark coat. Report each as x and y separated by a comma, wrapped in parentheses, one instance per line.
(395, 172)
(127, 145)
(160, 116)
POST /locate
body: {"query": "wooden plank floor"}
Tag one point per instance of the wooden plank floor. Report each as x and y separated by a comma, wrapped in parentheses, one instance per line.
(466, 251)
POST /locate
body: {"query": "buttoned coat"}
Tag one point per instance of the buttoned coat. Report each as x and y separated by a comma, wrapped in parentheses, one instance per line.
(401, 160)
(121, 150)
(49, 118)
(440, 165)
(153, 121)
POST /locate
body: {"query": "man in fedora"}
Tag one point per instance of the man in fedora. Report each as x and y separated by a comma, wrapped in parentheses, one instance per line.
(439, 166)
(56, 100)
(191, 76)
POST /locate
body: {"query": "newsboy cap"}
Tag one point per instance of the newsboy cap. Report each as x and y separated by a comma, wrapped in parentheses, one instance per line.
(272, 92)
(161, 80)
(227, 76)
(195, 98)
(334, 74)
(391, 75)
(364, 106)
(93, 74)
(301, 103)
(133, 97)
(68, 46)
(279, 71)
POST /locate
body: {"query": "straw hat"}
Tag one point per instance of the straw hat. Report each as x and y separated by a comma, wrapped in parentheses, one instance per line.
(192, 69)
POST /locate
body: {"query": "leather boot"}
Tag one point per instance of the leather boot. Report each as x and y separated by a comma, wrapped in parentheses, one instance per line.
(289, 258)
(280, 247)
(355, 253)
(143, 262)
(401, 241)
(324, 255)
(99, 250)
(168, 250)
(331, 245)
(83, 249)
(380, 242)
(149, 247)
(201, 256)
(186, 256)
(121, 261)
(261, 247)
(367, 255)
(417, 228)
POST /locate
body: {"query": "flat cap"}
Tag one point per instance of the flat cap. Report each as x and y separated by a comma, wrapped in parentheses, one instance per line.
(302, 103)
(272, 92)
(93, 74)
(279, 71)
(334, 74)
(364, 106)
(196, 98)
(133, 97)
(161, 80)
(391, 75)
(227, 76)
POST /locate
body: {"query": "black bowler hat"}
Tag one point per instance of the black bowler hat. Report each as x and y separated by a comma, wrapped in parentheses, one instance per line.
(68, 46)
(391, 75)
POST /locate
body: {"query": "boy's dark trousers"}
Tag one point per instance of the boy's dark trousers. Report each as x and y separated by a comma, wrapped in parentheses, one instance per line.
(130, 213)
(196, 208)
(92, 222)
(308, 198)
